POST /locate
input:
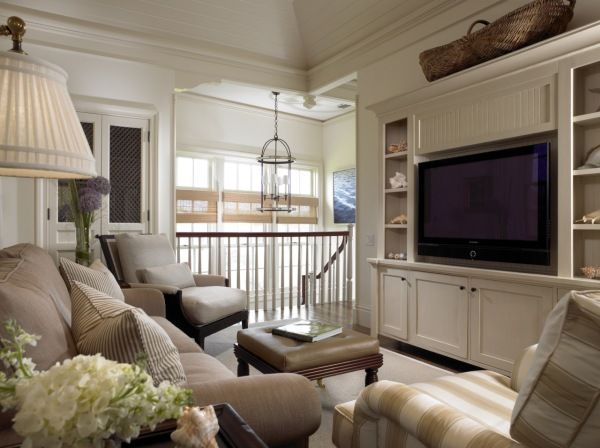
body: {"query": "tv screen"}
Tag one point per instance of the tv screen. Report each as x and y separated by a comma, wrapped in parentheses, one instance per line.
(491, 206)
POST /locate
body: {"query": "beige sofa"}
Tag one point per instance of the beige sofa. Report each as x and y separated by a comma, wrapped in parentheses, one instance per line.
(551, 400)
(284, 409)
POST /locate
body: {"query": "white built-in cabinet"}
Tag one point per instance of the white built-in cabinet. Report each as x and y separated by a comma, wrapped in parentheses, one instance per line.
(487, 314)
(393, 314)
(439, 310)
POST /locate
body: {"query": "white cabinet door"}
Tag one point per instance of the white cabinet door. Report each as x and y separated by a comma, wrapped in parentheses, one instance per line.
(505, 318)
(439, 313)
(393, 310)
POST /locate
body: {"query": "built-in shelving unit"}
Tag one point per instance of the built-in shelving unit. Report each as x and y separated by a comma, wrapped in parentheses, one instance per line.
(586, 181)
(395, 199)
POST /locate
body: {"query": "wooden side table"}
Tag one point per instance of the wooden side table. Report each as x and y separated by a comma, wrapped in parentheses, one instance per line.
(234, 432)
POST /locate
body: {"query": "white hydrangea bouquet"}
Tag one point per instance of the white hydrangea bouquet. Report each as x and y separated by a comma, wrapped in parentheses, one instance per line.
(82, 402)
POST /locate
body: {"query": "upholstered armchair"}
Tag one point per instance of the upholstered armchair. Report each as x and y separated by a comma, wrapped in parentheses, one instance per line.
(199, 305)
(551, 400)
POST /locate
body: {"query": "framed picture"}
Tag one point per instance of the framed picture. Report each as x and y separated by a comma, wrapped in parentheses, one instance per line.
(344, 196)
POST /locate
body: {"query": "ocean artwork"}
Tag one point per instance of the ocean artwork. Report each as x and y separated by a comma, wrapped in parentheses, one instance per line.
(344, 196)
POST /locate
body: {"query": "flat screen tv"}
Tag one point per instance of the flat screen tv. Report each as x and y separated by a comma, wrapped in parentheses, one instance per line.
(491, 206)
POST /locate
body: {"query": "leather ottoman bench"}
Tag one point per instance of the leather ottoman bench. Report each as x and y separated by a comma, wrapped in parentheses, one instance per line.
(343, 353)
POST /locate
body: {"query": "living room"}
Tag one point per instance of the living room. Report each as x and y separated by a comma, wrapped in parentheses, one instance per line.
(205, 85)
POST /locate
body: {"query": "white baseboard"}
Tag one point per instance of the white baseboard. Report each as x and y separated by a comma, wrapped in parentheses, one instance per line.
(362, 316)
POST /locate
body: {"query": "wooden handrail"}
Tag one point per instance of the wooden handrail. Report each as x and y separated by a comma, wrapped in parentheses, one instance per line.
(326, 266)
(256, 234)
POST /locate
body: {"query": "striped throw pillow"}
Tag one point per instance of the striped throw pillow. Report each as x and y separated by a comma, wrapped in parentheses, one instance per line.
(96, 276)
(559, 401)
(121, 332)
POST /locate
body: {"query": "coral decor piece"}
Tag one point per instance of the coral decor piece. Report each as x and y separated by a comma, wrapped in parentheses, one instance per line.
(590, 271)
(400, 147)
(196, 428)
(398, 181)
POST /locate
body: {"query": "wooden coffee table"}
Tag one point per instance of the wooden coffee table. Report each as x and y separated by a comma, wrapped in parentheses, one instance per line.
(343, 353)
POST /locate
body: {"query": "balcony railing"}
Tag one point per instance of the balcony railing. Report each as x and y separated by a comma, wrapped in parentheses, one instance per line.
(276, 269)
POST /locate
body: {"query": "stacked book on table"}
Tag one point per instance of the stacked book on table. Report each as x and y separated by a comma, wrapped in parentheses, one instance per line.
(308, 330)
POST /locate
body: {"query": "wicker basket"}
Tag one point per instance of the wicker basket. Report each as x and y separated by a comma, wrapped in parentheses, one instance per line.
(524, 26)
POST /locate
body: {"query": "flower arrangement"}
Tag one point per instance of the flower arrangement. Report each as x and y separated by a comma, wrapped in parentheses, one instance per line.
(81, 402)
(85, 198)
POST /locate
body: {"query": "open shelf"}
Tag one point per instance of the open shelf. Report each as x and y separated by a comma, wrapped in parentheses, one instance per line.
(587, 172)
(397, 155)
(586, 226)
(396, 190)
(587, 119)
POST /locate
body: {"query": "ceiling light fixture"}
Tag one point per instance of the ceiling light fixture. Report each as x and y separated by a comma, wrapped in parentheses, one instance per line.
(40, 134)
(275, 170)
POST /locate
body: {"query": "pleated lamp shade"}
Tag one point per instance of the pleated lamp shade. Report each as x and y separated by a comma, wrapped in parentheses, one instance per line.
(40, 134)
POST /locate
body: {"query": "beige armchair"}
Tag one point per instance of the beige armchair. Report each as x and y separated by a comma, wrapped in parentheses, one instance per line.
(199, 305)
(551, 400)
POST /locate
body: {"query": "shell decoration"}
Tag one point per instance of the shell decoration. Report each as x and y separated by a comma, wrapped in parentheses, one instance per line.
(590, 218)
(196, 428)
(400, 219)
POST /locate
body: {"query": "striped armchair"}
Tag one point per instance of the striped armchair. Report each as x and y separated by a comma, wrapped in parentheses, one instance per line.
(551, 400)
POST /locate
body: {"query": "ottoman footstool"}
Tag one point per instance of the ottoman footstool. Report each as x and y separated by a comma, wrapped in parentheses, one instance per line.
(343, 353)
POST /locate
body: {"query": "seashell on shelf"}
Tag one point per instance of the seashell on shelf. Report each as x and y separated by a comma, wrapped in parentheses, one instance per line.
(590, 271)
(196, 428)
(590, 218)
(400, 219)
(398, 181)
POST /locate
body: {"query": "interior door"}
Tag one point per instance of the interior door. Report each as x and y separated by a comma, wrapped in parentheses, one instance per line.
(120, 146)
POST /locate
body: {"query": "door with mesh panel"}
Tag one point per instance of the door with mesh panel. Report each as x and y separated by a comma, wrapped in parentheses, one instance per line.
(120, 146)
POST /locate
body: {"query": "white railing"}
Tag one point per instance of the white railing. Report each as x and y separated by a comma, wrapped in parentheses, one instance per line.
(276, 269)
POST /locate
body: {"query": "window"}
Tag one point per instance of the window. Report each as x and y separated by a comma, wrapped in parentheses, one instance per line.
(193, 172)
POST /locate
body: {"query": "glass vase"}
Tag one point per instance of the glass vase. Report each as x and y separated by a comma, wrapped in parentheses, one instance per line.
(83, 253)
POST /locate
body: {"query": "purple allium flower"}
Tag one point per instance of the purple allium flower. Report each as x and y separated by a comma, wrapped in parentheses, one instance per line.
(99, 184)
(89, 200)
(64, 213)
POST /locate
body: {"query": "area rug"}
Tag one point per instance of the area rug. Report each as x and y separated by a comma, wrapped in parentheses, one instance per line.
(338, 389)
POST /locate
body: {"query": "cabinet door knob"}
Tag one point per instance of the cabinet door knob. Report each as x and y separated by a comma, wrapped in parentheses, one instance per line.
(473, 289)
(462, 288)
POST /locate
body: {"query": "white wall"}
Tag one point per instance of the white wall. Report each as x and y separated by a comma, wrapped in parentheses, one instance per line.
(208, 124)
(394, 75)
(106, 79)
(339, 153)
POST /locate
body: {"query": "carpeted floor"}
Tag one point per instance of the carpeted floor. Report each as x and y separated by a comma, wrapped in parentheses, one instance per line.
(338, 389)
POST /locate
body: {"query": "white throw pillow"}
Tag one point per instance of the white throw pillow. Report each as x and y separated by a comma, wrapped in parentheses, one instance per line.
(96, 276)
(559, 401)
(121, 332)
(177, 274)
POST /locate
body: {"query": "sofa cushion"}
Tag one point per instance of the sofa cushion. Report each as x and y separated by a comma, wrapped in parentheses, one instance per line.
(96, 276)
(138, 252)
(177, 274)
(33, 293)
(558, 404)
(182, 341)
(209, 303)
(343, 424)
(201, 368)
(122, 333)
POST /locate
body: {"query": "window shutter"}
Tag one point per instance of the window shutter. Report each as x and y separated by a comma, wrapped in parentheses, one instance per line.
(243, 207)
(194, 206)
(306, 211)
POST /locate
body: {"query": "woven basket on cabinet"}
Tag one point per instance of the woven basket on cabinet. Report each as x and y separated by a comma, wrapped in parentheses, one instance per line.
(524, 26)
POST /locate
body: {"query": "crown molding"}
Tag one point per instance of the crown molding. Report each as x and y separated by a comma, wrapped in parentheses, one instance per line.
(195, 59)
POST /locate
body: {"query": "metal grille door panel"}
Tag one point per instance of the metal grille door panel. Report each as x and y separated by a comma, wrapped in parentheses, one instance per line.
(125, 174)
